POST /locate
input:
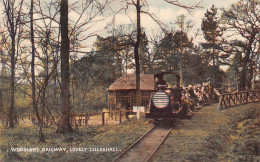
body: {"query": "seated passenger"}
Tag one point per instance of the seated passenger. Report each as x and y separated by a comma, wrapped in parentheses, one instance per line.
(199, 95)
(206, 95)
(192, 94)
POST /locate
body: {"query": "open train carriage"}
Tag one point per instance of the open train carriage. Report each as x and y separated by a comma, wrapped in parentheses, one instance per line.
(166, 102)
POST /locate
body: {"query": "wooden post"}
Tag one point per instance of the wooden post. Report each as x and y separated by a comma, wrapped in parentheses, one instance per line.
(220, 101)
(138, 113)
(224, 101)
(115, 101)
(120, 117)
(251, 96)
(86, 119)
(103, 118)
(80, 120)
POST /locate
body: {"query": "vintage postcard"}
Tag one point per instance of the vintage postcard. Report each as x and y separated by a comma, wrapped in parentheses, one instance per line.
(129, 80)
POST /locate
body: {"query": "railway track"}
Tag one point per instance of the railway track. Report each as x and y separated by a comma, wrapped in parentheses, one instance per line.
(144, 148)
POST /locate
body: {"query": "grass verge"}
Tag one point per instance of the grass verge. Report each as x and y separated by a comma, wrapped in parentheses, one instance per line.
(212, 135)
(92, 138)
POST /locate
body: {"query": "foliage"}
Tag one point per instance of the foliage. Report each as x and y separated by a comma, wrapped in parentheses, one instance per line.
(119, 46)
(175, 48)
(164, 57)
(243, 19)
(144, 55)
(210, 25)
(212, 33)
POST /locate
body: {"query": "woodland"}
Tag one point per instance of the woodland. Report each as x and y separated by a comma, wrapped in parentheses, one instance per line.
(47, 72)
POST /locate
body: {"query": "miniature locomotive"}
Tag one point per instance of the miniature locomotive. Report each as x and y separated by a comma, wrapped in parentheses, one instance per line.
(165, 102)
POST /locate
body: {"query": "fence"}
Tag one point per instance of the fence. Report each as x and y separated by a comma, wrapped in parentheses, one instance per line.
(239, 98)
(4, 120)
(115, 115)
(79, 119)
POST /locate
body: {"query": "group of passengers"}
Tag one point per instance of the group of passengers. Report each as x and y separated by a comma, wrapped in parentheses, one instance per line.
(198, 95)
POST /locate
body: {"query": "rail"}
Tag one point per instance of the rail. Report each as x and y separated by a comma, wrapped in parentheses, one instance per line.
(139, 139)
(144, 148)
(234, 99)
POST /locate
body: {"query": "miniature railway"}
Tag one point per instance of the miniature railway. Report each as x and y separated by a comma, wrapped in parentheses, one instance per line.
(144, 148)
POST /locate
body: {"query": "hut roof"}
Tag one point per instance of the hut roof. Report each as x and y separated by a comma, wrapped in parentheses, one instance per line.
(127, 82)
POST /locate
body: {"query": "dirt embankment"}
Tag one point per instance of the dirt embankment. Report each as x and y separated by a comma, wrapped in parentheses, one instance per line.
(211, 135)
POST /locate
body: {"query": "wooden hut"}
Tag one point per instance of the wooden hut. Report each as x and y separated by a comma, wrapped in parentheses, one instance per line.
(122, 93)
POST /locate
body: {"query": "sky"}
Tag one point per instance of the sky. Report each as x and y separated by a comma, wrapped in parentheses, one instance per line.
(164, 12)
(168, 12)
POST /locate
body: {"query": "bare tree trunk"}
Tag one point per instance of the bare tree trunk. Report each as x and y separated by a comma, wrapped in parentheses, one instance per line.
(64, 125)
(12, 106)
(242, 79)
(251, 75)
(13, 23)
(32, 65)
(41, 121)
(136, 55)
(245, 60)
(41, 135)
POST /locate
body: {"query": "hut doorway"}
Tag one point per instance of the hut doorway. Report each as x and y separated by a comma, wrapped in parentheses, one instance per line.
(126, 105)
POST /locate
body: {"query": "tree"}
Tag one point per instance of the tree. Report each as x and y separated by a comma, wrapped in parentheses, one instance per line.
(212, 34)
(174, 46)
(41, 135)
(138, 4)
(165, 56)
(47, 47)
(115, 48)
(13, 16)
(33, 63)
(64, 125)
(145, 60)
(243, 19)
(136, 51)
(182, 41)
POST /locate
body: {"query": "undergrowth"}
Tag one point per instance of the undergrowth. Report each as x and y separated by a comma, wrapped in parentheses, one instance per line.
(246, 139)
(118, 137)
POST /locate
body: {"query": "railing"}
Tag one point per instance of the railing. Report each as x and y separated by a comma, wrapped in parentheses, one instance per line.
(114, 115)
(238, 98)
(4, 120)
(79, 119)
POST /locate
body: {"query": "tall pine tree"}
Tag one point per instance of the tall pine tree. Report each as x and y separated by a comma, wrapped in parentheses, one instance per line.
(212, 33)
